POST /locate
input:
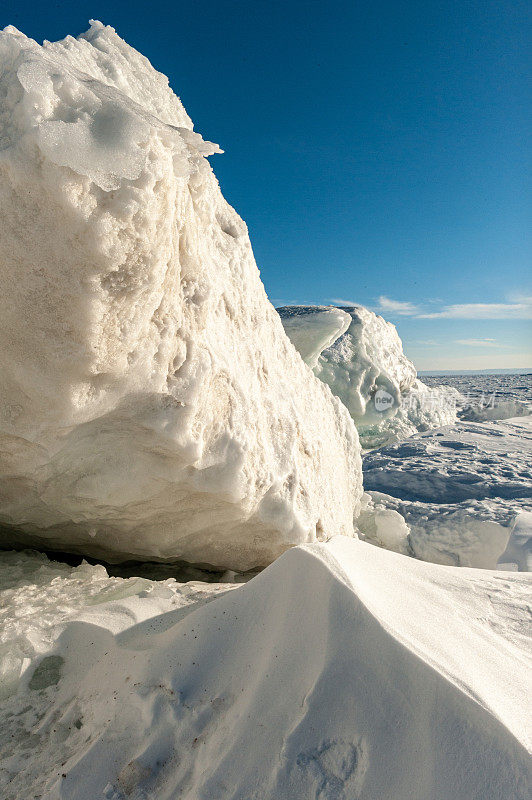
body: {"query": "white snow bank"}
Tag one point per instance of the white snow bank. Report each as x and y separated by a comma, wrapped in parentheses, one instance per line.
(459, 490)
(366, 368)
(340, 672)
(151, 405)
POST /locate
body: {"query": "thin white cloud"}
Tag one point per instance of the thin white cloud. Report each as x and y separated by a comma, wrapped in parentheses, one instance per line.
(338, 301)
(402, 307)
(477, 342)
(520, 298)
(518, 307)
(521, 310)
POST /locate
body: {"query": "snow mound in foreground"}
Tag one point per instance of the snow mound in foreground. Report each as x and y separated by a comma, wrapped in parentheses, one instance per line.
(460, 490)
(366, 368)
(151, 405)
(340, 672)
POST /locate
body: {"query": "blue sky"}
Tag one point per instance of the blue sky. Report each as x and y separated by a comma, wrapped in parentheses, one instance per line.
(377, 151)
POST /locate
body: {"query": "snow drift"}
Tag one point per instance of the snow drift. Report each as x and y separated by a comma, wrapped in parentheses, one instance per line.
(150, 404)
(340, 672)
(366, 368)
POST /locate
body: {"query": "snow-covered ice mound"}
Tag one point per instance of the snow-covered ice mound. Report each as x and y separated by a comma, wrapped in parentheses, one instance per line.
(460, 490)
(340, 672)
(151, 405)
(312, 329)
(366, 368)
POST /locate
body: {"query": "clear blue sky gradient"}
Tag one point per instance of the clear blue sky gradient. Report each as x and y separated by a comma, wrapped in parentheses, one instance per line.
(372, 148)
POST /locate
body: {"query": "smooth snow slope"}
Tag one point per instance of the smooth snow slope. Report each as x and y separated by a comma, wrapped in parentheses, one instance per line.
(151, 405)
(342, 672)
(365, 367)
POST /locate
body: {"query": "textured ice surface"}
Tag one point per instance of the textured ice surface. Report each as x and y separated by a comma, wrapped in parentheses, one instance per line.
(312, 329)
(342, 671)
(366, 368)
(489, 397)
(487, 389)
(460, 490)
(151, 405)
(39, 596)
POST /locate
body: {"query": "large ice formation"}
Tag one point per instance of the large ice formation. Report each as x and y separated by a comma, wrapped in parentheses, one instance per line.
(342, 671)
(366, 368)
(151, 404)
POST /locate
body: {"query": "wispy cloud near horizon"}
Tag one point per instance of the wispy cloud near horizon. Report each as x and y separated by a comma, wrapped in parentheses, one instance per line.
(518, 307)
(402, 307)
(477, 342)
(521, 310)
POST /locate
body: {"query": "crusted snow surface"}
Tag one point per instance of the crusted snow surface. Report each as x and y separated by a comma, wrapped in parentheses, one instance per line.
(366, 368)
(38, 597)
(463, 490)
(342, 671)
(151, 405)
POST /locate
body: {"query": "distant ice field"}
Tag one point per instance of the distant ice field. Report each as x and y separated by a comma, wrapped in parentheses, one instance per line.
(487, 388)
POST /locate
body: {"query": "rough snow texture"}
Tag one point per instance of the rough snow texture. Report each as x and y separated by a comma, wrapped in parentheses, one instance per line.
(366, 368)
(341, 672)
(151, 405)
(462, 491)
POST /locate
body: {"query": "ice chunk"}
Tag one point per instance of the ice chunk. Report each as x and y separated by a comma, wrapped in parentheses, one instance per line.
(505, 409)
(151, 405)
(312, 329)
(383, 526)
(518, 553)
(366, 368)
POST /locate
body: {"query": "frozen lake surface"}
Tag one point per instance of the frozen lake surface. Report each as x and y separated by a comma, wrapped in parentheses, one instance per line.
(485, 389)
